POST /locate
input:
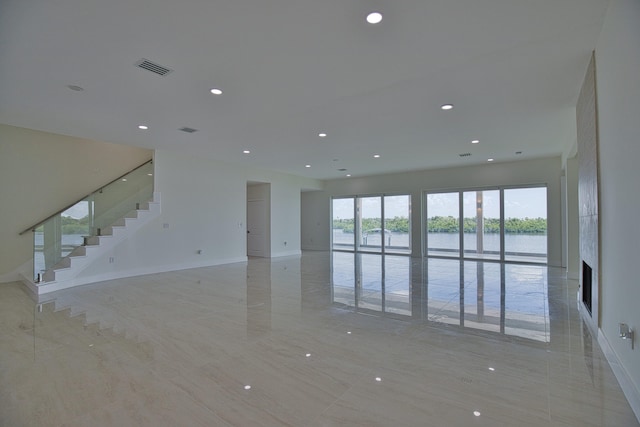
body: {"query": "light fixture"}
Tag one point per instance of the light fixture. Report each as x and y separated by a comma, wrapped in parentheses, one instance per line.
(216, 91)
(489, 160)
(307, 166)
(374, 17)
(377, 156)
(322, 135)
(149, 174)
(446, 107)
(247, 387)
(308, 355)
(477, 413)
(143, 127)
(475, 141)
(378, 379)
(124, 179)
(348, 175)
(246, 151)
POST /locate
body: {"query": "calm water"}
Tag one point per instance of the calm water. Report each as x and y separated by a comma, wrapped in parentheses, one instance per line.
(522, 243)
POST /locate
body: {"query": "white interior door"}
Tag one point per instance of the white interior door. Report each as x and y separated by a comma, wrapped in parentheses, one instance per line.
(256, 228)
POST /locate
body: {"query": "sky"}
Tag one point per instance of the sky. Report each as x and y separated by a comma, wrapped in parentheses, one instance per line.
(519, 203)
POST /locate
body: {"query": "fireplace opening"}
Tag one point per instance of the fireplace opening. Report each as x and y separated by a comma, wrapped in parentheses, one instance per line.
(586, 285)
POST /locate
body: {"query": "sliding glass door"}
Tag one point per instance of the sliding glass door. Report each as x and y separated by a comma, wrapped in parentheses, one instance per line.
(495, 224)
(481, 211)
(443, 224)
(525, 212)
(343, 229)
(369, 217)
(378, 224)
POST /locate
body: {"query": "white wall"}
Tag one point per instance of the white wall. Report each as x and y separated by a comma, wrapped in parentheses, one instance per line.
(41, 173)
(618, 89)
(204, 208)
(316, 205)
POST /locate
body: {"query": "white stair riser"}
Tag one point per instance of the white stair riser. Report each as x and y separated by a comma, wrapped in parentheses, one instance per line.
(67, 270)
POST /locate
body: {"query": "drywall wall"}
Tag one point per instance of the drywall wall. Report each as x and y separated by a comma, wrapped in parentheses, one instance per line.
(618, 91)
(41, 173)
(547, 171)
(203, 219)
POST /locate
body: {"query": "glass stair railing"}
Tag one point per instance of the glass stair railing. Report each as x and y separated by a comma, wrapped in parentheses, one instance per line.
(59, 235)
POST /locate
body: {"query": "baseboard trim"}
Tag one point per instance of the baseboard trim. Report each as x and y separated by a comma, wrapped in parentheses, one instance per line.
(10, 277)
(315, 248)
(122, 274)
(627, 385)
(287, 253)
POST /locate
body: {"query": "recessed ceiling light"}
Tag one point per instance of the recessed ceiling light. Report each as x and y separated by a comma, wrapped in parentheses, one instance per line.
(446, 106)
(149, 174)
(348, 174)
(307, 166)
(143, 127)
(489, 160)
(322, 135)
(246, 151)
(216, 91)
(477, 413)
(475, 141)
(377, 156)
(374, 17)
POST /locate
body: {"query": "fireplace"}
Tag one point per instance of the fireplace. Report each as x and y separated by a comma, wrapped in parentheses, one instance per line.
(587, 274)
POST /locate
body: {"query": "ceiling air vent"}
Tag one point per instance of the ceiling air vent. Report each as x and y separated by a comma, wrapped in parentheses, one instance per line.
(465, 155)
(153, 67)
(188, 130)
(342, 170)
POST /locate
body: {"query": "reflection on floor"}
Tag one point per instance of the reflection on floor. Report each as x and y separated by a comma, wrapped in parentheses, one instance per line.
(507, 298)
(317, 340)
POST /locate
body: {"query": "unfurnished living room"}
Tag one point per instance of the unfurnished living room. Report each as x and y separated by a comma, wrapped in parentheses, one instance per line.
(319, 213)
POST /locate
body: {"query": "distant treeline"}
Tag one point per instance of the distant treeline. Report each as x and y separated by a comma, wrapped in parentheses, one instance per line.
(449, 224)
(72, 225)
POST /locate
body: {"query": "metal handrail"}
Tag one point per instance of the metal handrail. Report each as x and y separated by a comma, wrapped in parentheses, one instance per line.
(36, 225)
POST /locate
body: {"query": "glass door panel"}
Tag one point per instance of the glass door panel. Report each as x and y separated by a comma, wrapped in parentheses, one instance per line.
(443, 224)
(369, 219)
(482, 224)
(397, 223)
(525, 223)
(343, 229)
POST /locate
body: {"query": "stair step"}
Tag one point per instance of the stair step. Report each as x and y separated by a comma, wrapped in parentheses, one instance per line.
(63, 274)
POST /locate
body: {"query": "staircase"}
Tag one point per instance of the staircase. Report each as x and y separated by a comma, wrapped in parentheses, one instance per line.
(64, 274)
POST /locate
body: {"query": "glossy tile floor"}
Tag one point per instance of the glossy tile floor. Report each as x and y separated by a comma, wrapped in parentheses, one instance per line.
(326, 339)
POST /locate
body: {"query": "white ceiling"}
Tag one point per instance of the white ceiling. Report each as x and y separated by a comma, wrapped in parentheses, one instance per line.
(290, 69)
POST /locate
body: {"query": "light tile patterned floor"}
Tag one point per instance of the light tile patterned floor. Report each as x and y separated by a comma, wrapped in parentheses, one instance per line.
(322, 340)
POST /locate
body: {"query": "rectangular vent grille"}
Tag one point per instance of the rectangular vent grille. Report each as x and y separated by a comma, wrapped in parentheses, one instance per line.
(153, 67)
(188, 130)
(465, 155)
